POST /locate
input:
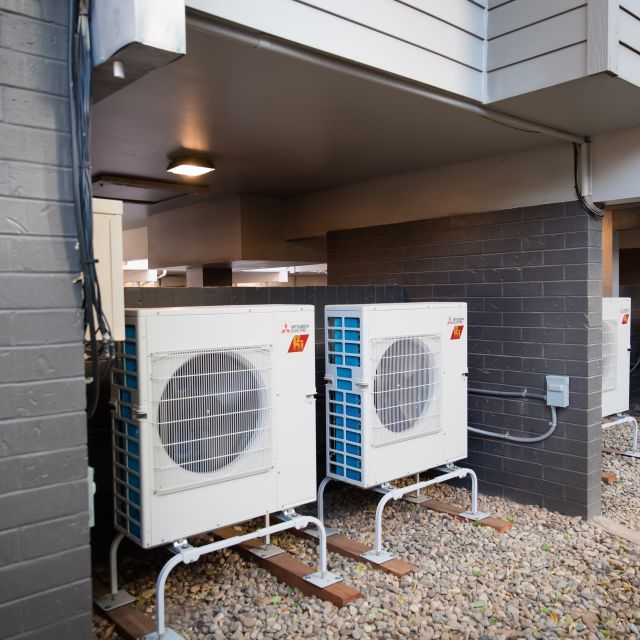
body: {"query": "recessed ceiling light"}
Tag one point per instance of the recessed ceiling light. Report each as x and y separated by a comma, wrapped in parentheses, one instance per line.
(190, 167)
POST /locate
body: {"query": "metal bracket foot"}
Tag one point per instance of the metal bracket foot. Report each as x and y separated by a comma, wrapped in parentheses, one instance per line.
(378, 558)
(474, 515)
(118, 599)
(169, 634)
(313, 532)
(417, 499)
(266, 551)
(323, 580)
(632, 454)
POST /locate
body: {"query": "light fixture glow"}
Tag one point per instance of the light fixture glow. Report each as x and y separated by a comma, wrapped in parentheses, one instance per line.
(191, 167)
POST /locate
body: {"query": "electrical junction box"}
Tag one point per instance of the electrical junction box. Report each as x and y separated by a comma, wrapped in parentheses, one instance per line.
(558, 391)
(139, 35)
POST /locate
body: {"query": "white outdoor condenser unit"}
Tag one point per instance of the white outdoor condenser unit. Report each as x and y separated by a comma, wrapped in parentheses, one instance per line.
(214, 418)
(616, 343)
(396, 389)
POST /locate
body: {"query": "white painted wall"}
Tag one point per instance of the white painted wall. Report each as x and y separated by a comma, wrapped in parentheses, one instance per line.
(527, 178)
(491, 184)
(616, 166)
(135, 245)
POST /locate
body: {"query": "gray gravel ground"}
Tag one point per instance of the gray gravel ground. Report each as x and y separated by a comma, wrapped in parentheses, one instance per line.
(551, 576)
(621, 500)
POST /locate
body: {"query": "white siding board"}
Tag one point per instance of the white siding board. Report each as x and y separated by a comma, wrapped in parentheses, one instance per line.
(633, 6)
(463, 14)
(305, 25)
(629, 30)
(406, 23)
(538, 39)
(629, 65)
(545, 71)
(497, 3)
(520, 13)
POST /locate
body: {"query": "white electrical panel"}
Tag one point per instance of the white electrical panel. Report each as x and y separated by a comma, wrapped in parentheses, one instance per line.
(616, 343)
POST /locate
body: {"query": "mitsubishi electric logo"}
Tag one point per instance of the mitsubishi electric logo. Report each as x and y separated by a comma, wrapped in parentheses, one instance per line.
(295, 328)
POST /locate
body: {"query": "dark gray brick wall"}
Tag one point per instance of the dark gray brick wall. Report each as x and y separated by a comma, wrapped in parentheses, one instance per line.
(44, 554)
(532, 281)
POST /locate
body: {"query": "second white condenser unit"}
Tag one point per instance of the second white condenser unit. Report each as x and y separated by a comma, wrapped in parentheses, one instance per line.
(396, 389)
(214, 418)
(616, 343)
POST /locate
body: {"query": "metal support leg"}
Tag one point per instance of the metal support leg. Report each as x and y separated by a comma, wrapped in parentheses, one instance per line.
(188, 554)
(377, 554)
(474, 514)
(322, 578)
(625, 419)
(633, 452)
(329, 530)
(267, 550)
(417, 497)
(115, 598)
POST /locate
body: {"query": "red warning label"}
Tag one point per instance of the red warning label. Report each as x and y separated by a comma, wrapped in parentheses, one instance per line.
(298, 342)
(456, 334)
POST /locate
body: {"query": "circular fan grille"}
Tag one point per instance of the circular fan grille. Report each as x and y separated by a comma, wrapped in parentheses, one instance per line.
(210, 411)
(402, 384)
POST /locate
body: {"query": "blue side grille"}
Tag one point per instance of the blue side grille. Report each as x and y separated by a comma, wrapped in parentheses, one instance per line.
(126, 439)
(344, 409)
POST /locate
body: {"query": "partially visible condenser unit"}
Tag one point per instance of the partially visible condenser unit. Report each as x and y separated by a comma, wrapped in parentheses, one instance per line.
(396, 389)
(616, 343)
(214, 418)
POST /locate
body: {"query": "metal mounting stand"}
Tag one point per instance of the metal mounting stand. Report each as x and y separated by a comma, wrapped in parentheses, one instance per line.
(624, 419)
(378, 555)
(329, 531)
(184, 552)
(417, 498)
(116, 598)
(267, 550)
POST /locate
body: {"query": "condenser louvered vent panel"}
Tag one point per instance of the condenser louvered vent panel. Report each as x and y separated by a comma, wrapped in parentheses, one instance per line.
(406, 388)
(211, 414)
(609, 354)
(126, 437)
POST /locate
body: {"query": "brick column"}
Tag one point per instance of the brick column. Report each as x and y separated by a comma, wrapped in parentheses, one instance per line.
(532, 280)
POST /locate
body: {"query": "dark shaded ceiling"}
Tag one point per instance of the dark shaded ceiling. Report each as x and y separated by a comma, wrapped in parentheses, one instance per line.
(278, 126)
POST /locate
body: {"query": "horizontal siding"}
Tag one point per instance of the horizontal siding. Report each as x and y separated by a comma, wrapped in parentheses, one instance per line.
(464, 14)
(554, 68)
(365, 36)
(402, 22)
(629, 65)
(533, 45)
(538, 39)
(629, 30)
(632, 6)
(521, 13)
(629, 41)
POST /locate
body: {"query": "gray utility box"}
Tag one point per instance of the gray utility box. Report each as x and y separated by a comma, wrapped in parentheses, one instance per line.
(558, 391)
